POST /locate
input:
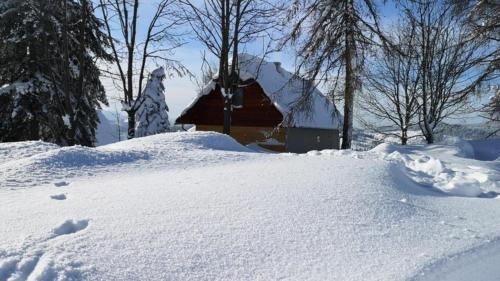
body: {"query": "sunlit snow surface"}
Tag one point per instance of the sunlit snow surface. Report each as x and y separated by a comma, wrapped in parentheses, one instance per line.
(199, 206)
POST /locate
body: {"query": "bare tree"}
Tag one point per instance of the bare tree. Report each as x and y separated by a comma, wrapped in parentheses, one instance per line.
(453, 65)
(332, 37)
(131, 54)
(224, 27)
(483, 17)
(392, 86)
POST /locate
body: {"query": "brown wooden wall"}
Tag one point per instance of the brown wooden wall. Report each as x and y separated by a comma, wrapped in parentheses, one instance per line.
(257, 111)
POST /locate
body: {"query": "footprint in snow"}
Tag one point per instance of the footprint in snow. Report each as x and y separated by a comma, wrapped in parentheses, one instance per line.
(40, 264)
(36, 261)
(61, 183)
(58, 197)
(20, 268)
(70, 227)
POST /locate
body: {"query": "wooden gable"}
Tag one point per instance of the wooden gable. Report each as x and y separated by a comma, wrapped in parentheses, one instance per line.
(257, 110)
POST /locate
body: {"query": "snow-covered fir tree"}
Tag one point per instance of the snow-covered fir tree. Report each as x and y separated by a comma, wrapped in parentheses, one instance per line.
(49, 82)
(152, 115)
(331, 37)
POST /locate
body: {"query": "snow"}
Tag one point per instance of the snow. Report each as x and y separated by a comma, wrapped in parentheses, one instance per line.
(18, 87)
(283, 89)
(257, 148)
(66, 120)
(152, 114)
(31, 165)
(18, 150)
(200, 206)
(449, 167)
(486, 150)
(272, 141)
(475, 264)
(58, 197)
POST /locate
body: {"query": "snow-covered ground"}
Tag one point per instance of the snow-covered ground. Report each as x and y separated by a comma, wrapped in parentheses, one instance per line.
(199, 206)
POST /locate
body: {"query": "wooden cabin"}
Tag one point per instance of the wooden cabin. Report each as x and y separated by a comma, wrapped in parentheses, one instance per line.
(264, 101)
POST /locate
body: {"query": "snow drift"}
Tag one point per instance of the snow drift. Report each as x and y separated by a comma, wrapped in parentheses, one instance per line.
(197, 206)
(449, 167)
(34, 163)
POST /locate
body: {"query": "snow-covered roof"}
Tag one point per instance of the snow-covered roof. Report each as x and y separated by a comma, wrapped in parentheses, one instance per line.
(283, 89)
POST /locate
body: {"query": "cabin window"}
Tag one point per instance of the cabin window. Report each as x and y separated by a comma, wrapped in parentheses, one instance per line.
(237, 98)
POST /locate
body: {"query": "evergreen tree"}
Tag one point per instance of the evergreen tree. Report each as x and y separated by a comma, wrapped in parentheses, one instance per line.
(30, 101)
(332, 38)
(50, 87)
(152, 115)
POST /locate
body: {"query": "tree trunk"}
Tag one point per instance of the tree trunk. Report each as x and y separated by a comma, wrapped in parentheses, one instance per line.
(224, 74)
(429, 137)
(131, 124)
(349, 84)
(348, 107)
(66, 76)
(234, 74)
(118, 125)
(86, 139)
(404, 137)
(227, 115)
